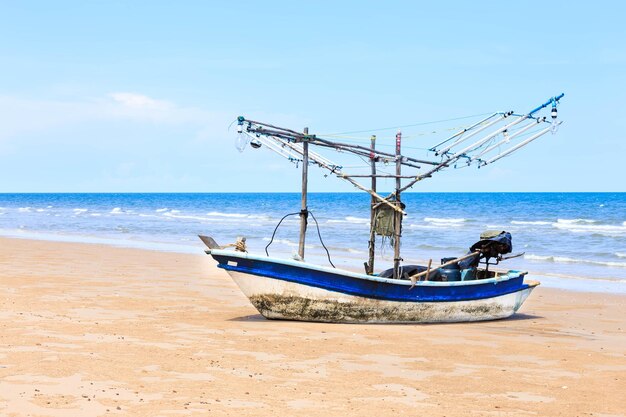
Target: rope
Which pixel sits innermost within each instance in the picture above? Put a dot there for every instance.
(276, 228)
(321, 241)
(239, 245)
(318, 235)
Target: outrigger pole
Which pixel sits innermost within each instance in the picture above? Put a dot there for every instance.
(295, 146)
(304, 213)
(369, 265)
(398, 215)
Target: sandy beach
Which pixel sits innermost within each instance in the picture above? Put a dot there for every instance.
(90, 330)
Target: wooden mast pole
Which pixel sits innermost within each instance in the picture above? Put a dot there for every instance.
(369, 267)
(398, 216)
(304, 213)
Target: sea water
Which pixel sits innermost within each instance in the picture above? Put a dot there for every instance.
(570, 238)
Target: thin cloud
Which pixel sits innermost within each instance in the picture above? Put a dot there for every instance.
(25, 115)
(139, 101)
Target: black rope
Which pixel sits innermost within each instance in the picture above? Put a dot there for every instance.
(321, 241)
(275, 229)
(318, 234)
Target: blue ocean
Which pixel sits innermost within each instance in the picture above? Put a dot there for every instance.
(575, 240)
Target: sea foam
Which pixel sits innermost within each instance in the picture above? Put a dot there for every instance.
(445, 222)
(350, 219)
(590, 226)
(565, 259)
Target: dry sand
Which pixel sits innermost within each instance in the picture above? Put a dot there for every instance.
(88, 330)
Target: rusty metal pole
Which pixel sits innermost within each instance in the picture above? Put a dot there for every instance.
(398, 216)
(304, 213)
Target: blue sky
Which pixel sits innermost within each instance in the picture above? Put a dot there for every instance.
(138, 96)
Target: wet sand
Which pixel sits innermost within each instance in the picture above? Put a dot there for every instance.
(90, 330)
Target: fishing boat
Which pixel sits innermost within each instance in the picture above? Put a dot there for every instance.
(459, 289)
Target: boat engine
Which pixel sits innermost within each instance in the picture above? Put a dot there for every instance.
(492, 244)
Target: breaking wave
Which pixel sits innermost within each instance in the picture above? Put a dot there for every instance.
(436, 222)
(564, 259)
(590, 226)
(576, 221)
(536, 223)
(173, 214)
(444, 220)
(220, 214)
(237, 215)
(350, 219)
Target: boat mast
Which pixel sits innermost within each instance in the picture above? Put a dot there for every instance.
(369, 266)
(294, 146)
(304, 213)
(398, 215)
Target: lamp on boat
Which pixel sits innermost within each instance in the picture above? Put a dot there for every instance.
(242, 139)
(553, 113)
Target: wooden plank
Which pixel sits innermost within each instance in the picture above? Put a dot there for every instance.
(209, 242)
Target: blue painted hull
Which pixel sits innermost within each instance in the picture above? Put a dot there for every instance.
(289, 289)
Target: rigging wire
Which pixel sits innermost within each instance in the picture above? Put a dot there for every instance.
(403, 126)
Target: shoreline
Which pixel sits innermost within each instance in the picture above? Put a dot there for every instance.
(96, 330)
(555, 280)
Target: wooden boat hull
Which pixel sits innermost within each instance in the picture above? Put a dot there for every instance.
(285, 289)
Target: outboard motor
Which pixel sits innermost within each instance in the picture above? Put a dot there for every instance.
(492, 244)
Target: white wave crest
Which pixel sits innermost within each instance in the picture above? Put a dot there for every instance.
(538, 222)
(184, 217)
(564, 259)
(575, 221)
(161, 210)
(603, 229)
(79, 210)
(286, 242)
(220, 214)
(116, 210)
(24, 209)
(425, 226)
(355, 251)
(350, 219)
(443, 220)
(620, 254)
